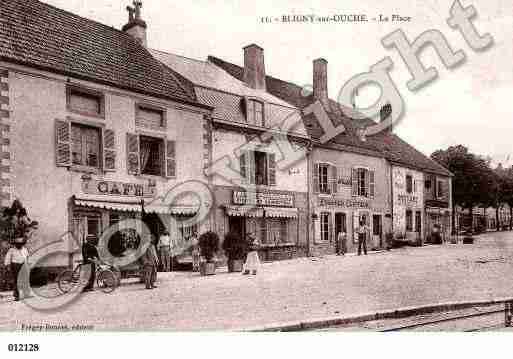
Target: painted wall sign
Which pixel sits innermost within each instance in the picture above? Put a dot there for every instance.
(100, 187)
(345, 181)
(405, 199)
(263, 199)
(347, 203)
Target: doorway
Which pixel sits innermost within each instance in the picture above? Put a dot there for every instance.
(377, 229)
(237, 226)
(340, 223)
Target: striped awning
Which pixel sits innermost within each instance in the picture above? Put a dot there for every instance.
(281, 212)
(135, 206)
(244, 211)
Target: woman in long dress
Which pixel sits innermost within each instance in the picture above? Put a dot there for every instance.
(252, 261)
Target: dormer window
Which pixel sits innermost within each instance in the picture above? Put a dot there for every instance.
(255, 112)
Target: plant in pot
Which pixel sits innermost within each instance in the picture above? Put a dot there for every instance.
(236, 249)
(209, 245)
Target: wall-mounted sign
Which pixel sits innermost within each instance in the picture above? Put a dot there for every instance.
(346, 203)
(345, 181)
(263, 199)
(405, 199)
(100, 187)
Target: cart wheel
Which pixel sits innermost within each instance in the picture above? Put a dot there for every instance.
(67, 280)
(107, 281)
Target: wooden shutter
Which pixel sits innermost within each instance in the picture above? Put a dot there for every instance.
(334, 179)
(63, 143)
(354, 180)
(371, 184)
(243, 163)
(109, 150)
(356, 223)
(170, 159)
(330, 227)
(271, 168)
(251, 157)
(133, 156)
(316, 178)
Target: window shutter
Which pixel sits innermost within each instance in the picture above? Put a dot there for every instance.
(371, 184)
(170, 159)
(243, 162)
(132, 147)
(354, 180)
(334, 179)
(251, 157)
(63, 143)
(330, 227)
(271, 165)
(356, 224)
(109, 150)
(367, 183)
(316, 178)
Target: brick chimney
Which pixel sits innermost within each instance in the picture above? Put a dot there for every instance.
(320, 81)
(136, 26)
(384, 113)
(254, 67)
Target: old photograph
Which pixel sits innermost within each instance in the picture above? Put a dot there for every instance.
(249, 167)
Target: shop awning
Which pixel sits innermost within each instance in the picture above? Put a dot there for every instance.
(127, 206)
(135, 206)
(281, 212)
(244, 211)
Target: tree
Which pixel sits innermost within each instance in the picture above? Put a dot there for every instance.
(473, 182)
(507, 193)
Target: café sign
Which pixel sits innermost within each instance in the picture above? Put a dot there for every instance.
(405, 199)
(99, 187)
(263, 199)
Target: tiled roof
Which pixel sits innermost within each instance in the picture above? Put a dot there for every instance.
(383, 144)
(39, 35)
(216, 88)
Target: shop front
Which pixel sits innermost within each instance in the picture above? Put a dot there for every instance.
(102, 204)
(438, 222)
(338, 215)
(272, 218)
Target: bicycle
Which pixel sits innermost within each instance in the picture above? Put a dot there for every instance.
(107, 278)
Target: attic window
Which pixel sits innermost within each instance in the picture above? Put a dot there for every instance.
(150, 116)
(85, 101)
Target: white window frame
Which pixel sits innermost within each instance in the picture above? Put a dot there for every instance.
(323, 230)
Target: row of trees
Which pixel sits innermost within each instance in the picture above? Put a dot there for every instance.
(476, 183)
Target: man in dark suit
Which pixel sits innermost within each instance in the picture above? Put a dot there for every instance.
(149, 261)
(90, 256)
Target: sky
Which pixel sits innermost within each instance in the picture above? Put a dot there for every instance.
(466, 105)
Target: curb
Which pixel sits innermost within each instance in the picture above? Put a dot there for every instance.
(364, 317)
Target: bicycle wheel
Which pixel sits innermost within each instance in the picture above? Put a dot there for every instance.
(67, 280)
(107, 281)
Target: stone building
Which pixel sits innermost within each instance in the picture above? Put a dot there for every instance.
(93, 128)
(258, 191)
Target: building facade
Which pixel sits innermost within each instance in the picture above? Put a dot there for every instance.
(89, 149)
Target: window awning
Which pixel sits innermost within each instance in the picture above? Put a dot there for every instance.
(281, 212)
(244, 211)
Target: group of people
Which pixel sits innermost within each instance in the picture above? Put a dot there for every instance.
(341, 242)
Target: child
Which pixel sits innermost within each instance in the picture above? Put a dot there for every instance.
(15, 259)
(195, 254)
(252, 261)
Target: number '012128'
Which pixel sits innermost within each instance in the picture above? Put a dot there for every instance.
(23, 347)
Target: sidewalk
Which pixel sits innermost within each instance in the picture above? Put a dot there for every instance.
(294, 290)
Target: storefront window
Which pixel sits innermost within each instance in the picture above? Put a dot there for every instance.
(277, 231)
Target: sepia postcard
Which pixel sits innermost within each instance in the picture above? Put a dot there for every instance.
(271, 166)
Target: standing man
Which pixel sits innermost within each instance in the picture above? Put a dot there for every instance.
(341, 243)
(89, 257)
(15, 259)
(149, 261)
(362, 237)
(165, 251)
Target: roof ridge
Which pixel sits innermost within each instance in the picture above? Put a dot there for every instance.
(182, 56)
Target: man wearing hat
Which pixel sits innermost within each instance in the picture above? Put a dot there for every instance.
(15, 258)
(89, 257)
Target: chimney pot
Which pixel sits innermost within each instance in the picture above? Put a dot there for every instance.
(135, 25)
(320, 81)
(254, 67)
(384, 113)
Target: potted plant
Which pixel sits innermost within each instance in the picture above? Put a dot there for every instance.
(236, 250)
(209, 245)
